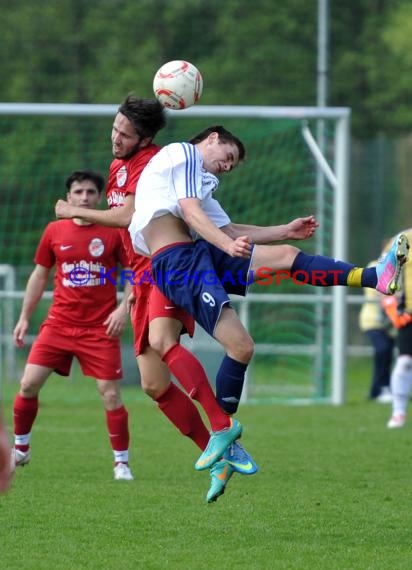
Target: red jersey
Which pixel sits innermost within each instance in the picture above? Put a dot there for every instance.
(123, 177)
(86, 259)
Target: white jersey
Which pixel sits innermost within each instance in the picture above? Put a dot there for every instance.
(174, 173)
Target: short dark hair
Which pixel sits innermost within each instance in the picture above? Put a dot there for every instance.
(225, 136)
(81, 175)
(146, 115)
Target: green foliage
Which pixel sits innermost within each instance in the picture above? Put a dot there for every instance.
(259, 53)
(371, 72)
(332, 492)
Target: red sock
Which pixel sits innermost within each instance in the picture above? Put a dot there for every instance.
(191, 375)
(24, 414)
(118, 428)
(182, 412)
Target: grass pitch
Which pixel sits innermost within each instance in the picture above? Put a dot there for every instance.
(333, 491)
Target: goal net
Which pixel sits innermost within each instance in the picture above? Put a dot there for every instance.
(297, 164)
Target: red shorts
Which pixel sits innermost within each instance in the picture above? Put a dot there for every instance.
(98, 355)
(151, 304)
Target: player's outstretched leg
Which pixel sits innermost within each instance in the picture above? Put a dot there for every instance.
(220, 474)
(389, 266)
(218, 442)
(239, 459)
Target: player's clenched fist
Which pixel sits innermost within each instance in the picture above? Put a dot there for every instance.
(240, 247)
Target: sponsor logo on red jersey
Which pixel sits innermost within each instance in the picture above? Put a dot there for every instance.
(121, 176)
(96, 247)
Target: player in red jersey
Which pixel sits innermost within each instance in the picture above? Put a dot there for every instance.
(83, 321)
(135, 125)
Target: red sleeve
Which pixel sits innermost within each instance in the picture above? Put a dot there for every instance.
(44, 253)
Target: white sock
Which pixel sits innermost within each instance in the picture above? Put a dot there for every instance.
(22, 439)
(121, 456)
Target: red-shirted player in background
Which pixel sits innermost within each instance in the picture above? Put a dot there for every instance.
(83, 321)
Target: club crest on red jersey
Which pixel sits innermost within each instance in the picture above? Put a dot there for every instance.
(96, 247)
(121, 176)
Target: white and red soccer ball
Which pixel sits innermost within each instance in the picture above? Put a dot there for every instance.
(178, 84)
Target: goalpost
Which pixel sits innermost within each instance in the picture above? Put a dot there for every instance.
(297, 164)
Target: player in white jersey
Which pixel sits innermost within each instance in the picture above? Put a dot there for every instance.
(174, 203)
(162, 198)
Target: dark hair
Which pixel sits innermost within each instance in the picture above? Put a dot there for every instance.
(146, 115)
(82, 175)
(225, 136)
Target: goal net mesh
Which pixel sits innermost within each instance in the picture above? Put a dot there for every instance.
(278, 181)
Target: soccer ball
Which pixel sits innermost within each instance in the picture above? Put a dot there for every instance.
(178, 84)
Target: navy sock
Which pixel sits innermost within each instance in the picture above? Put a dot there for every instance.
(369, 277)
(320, 271)
(229, 384)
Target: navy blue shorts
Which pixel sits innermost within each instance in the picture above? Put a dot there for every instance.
(199, 277)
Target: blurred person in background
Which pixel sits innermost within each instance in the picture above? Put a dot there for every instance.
(374, 322)
(399, 310)
(5, 467)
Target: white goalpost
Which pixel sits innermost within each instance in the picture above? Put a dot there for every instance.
(289, 169)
